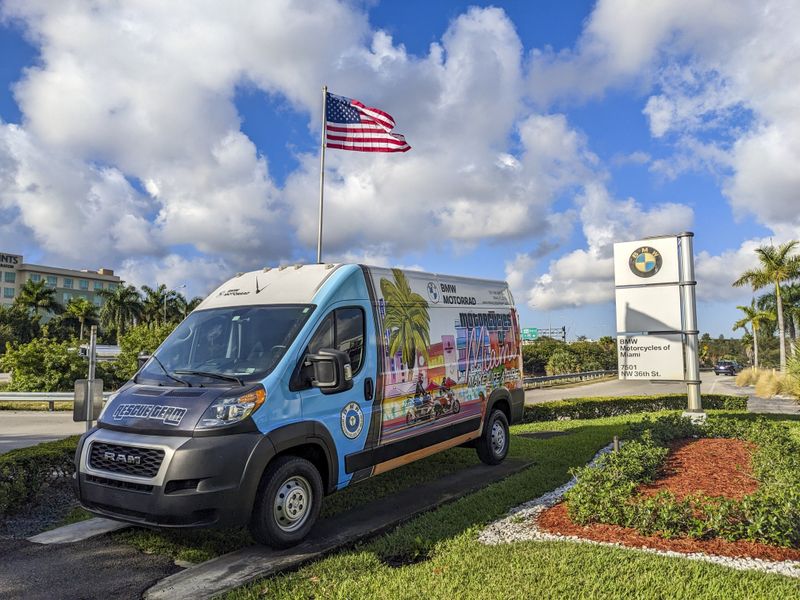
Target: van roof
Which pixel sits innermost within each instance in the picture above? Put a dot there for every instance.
(292, 284)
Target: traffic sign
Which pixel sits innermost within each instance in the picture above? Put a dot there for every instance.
(529, 334)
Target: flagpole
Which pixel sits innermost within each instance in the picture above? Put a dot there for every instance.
(321, 172)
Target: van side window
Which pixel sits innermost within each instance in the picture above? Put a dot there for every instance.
(342, 329)
(350, 334)
(323, 337)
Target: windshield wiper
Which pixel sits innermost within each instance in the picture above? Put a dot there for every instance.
(212, 375)
(167, 373)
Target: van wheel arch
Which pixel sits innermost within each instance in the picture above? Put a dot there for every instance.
(312, 441)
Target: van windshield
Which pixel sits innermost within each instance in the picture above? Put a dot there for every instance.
(240, 343)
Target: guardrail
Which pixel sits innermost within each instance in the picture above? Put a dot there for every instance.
(50, 397)
(533, 382)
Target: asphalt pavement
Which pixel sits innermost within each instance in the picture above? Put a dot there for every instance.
(21, 428)
(711, 384)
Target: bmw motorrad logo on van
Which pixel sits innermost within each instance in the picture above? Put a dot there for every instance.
(433, 292)
(645, 261)
(352, 420)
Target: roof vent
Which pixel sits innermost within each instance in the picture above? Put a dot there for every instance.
(267, 269)
(282, 267)
(297, 267)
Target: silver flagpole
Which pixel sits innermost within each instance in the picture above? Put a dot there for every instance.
(321, 172)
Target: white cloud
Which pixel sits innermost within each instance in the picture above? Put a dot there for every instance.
(586, 276)
(707, 65)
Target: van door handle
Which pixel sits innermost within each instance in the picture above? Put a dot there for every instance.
(369, 388)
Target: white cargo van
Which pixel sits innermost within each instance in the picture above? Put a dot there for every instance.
(289, 383)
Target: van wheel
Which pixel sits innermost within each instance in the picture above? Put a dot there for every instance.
(492, 446)
(288, 502)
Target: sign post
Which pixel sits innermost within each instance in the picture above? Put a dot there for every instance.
(88, 399)
(657, 313)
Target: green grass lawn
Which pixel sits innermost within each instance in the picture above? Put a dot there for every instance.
(441, 558)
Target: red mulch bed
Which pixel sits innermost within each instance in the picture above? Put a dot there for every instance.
(714, 467)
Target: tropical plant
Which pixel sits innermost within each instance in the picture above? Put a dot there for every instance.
(82, 310)
(38, 297)
(17, 325)
(122, 307)
(754, 317)
(407, 319)
(162, 305)
(777, 265)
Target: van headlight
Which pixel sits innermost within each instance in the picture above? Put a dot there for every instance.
(228, 410)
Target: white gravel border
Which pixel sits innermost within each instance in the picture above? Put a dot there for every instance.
(521, 525)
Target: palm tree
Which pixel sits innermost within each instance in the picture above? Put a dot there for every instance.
(754, 317)
(407, 318)
(83, 310)
(36, 295)
(122, 306)
(778, 265)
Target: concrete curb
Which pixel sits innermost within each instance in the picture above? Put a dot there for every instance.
(243, 566)
(77, 532)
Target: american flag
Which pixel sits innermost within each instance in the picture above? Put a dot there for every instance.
(352, 126)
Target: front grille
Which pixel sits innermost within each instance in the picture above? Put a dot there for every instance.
(126, 460)
(123, 485)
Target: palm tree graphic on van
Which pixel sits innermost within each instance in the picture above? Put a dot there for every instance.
(406, 318)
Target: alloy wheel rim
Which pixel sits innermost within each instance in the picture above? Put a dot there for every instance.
(292, 503)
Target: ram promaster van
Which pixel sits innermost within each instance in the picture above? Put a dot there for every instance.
(289, 383)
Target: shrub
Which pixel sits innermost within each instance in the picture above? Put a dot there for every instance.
(23, 472)
(747, 377)
(595, 408)
(768, 384)
(46, 365)
(140, 339)
(606, 491)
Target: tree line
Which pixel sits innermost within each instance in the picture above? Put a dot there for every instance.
(123, 308)
(776, 312)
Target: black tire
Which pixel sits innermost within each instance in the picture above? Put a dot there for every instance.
(456, 405)
(301, 485)
(493, 451)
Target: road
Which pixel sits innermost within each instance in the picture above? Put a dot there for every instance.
(20, 428)
(711, 384)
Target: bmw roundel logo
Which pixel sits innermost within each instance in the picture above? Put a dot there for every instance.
(645, 261)
(433, 292)
(352, 420)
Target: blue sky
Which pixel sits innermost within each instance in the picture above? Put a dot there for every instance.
(182, 140)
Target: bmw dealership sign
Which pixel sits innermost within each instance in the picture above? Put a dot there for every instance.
(656, 313)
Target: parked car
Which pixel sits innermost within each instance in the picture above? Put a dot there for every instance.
(727, 367)
(293, 382)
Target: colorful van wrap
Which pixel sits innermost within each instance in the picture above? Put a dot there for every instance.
(428, 360)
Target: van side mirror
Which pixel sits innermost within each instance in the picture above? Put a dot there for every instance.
(142, 359)
(332, 371)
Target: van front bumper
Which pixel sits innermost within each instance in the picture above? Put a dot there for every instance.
(198, 481)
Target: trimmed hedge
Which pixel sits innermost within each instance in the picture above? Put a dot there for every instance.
(601, 406)
(606, 492)
(23, 472)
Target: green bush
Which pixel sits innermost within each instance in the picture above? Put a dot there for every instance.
(606, 491)
(140, 339)
(23, 472)
(46, 365)
(594, 408)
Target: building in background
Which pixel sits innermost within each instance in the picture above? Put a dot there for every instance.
(68, 283)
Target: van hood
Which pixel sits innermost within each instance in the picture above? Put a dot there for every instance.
(148, 409)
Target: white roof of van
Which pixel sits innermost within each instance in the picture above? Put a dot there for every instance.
(293, 284)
